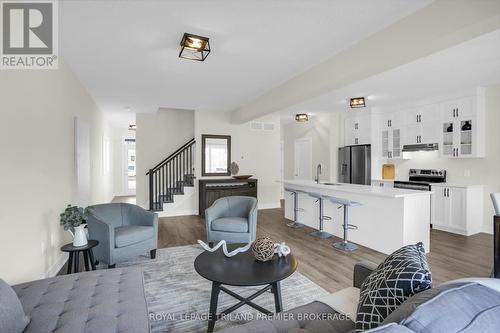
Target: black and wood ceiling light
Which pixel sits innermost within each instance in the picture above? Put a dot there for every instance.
(194, 47)
(301, 117)
(358, 102)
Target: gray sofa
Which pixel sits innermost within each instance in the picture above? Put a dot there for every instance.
(123, 231)
(461, 306)
(104, 301)
(233, 219)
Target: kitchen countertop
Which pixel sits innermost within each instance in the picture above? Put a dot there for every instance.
(359, 189)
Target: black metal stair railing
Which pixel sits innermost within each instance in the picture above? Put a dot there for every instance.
(170, 176)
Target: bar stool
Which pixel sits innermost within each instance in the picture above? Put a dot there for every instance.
(295, 224)
(345, 245)
(320, 233)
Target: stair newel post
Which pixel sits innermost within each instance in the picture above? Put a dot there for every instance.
(179, 174)
(157, 185)
(189, 158)
(169, 179)
(150, 189)
(163, 182)
(184, 165)
(191, 169)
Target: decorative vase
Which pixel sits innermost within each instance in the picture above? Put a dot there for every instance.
(79, 236)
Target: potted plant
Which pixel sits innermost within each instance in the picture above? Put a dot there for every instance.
(72, 220)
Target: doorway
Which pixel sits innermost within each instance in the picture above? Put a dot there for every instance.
(129, 168)
(303, 159)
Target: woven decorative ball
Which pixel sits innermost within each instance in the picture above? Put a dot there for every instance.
(263, 248)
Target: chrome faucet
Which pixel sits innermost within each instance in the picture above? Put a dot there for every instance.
(318, 172)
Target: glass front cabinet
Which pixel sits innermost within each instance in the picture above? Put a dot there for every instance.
(462, 127)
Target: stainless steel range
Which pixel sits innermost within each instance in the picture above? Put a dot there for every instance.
(421, 179)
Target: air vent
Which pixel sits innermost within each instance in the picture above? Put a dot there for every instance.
(259, 126)
(268, 127)
(256, 126)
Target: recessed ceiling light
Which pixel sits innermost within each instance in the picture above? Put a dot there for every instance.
(357, 102)
(194, 47)
(301, 117)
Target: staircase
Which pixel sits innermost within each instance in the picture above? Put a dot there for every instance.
(169, 177)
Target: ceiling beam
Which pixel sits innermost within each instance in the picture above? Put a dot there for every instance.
(436, 27)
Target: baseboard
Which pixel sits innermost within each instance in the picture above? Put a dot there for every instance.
(123, 195)
(271, 205)
(63, 257)
(177, 213)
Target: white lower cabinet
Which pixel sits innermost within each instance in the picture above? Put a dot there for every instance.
(457, 209)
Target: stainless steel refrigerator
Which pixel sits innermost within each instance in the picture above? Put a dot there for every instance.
(355, 164)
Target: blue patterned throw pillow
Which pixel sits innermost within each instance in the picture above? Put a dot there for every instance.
(403, 274)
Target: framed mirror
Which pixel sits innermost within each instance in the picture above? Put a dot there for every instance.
(215, 155)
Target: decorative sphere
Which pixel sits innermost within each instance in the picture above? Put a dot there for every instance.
(263, 248)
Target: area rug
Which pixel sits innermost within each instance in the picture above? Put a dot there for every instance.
(178, 298)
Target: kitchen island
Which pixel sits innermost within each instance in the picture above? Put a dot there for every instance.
(387, 219)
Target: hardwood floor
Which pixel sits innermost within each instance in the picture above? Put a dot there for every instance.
(451, 257)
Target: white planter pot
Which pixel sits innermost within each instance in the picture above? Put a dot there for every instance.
(79, 238)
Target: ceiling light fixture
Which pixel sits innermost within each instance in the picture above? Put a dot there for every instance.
(358, 102)
(194, 47)
(301, 117)
(132, 127)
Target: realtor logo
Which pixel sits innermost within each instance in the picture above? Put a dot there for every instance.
(29, 35)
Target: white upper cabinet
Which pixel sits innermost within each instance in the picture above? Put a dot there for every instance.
(457, 125)
(421, 125)
(462, 128)
(357, 130)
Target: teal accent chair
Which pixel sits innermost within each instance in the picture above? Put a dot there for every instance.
(123, 230)
(233, 219)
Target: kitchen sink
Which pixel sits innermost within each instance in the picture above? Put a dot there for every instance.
(331, 184)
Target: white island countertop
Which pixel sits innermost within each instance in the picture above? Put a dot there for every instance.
(358, 189)
(387, 218)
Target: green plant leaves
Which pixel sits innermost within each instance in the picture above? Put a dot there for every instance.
(72, 217)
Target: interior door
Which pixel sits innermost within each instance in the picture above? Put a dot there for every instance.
(303, 159)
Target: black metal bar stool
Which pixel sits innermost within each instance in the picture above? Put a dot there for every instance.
(295, 193)
(345, 245)
(320, 233)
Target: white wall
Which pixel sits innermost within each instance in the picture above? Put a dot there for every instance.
(37, 173)
(119, 136)
(318, 130)
(336, 138)
(485, 171)
(257, 152)
(158, 135)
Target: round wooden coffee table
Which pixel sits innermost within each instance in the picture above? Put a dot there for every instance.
(242, 270)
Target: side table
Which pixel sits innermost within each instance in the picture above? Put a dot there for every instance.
(74, 256)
